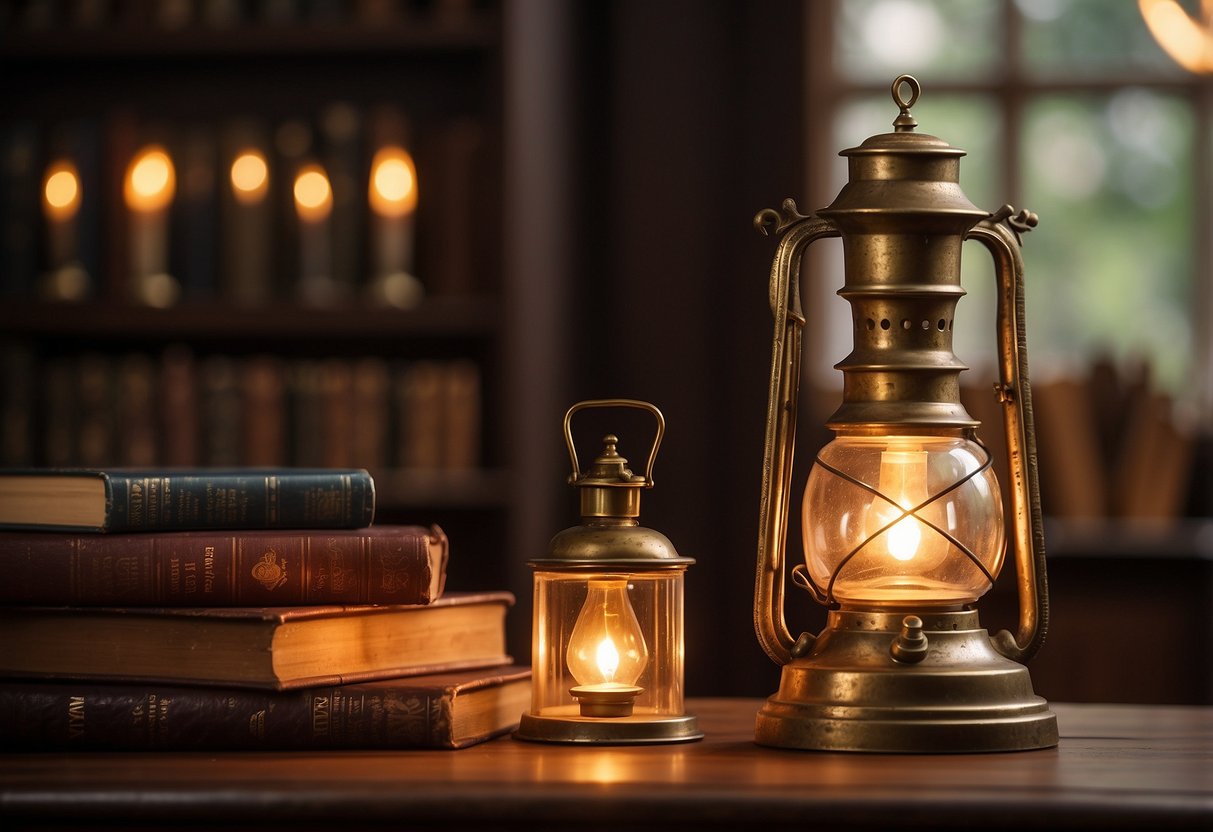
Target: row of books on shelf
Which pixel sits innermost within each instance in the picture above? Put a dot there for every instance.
(238, 609)
(182, 409)
(349, 204)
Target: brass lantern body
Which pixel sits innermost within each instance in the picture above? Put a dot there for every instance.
(902, 666)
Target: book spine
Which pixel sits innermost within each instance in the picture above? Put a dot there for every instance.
(221, 569)
(42, 716)
(244, 500)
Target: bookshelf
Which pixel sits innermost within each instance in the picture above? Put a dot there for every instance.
(104, 79)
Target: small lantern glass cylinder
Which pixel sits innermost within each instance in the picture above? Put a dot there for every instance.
(607, 633)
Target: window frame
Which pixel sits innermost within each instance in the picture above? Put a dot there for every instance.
(826, 91)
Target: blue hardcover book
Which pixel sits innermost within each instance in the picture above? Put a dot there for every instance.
(134, 500)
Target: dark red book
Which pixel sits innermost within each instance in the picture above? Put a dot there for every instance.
(375, 565)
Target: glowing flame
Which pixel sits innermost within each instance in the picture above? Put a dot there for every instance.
(61, 191)
(608, 659)
(393, 186)
(150, 180)
(313, 195)
(250, 177)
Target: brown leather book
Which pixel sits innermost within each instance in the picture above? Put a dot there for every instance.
(376, 565)
(446, 710)
(274, 648)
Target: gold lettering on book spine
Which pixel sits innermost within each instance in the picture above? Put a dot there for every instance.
(75, 717)
(321, 711)
(208, 569)
(256, 724)
(153, 503)
(134, 505)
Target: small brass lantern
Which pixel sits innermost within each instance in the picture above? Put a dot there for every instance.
(902, 518)
(607, 637)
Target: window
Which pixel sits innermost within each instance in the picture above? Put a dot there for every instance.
(1070, 109)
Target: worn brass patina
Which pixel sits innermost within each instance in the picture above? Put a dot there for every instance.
(895, 677)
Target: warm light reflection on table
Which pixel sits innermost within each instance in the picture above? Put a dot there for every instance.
(1116, 765)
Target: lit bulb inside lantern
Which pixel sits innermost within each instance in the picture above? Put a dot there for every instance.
(903, 480)
(607, 652)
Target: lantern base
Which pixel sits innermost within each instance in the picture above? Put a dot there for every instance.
(628, 730)
(958, 695)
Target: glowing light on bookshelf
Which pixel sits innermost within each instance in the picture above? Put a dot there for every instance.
(313, 194)
(61, 191)
(149, 187)
(392, 192)
(250, 177)
(151, 180)
(393, 188)
(65, 277)
(1188, 41)
(314, 205)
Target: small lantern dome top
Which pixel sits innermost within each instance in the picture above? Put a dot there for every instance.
(610, 535)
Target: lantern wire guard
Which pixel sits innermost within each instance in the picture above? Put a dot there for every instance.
(607, 641)
(903, 519)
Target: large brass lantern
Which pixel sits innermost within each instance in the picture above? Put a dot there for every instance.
(903, 522)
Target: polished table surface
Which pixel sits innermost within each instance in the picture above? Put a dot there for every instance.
(1117, 767)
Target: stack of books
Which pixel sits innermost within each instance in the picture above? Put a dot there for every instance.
(246, 608)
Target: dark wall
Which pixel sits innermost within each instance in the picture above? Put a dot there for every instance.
(687, 120)
(691, 115)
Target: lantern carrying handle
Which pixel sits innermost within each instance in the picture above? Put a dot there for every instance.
(605, 403)
(796, 232)
(1001, 233)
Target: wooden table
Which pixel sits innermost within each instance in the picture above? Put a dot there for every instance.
(1118, 767)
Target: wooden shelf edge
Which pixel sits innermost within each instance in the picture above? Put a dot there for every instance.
(454, 317)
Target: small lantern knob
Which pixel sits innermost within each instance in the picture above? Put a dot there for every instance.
(609, 489)
(910, 646)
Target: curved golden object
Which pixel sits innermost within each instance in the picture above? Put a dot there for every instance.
(779, 444)
(1000, 234)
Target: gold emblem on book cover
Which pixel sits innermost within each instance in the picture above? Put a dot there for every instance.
(269, 572)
